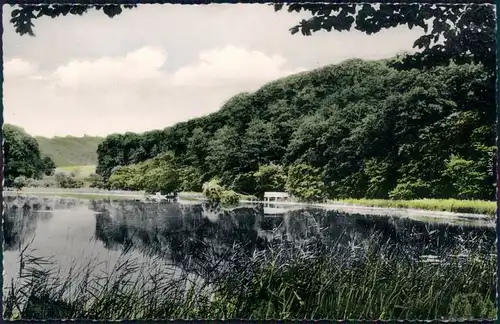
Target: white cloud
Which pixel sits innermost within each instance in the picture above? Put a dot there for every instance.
(137, 66)
(232, 64)
(135, 92)
(18, 68)
(214, 67)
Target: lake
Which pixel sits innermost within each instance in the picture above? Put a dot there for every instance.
(198, 239)
(70, 229)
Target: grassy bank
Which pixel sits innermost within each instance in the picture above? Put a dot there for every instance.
(449, 205)
(75, 195)
(307, 280)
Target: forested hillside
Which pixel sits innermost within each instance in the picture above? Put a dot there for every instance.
(357, 129)
(69, 150)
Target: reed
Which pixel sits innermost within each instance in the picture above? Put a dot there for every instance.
(306, 279)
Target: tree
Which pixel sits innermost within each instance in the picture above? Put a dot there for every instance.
(164, 179)
(22, 18)
(305, 182)
(21, 154)
(49, 166)
(125, 178)
(467, 32)
(270, 178)
(223, 154)
(190, 179)
(467, 181)
(259, 145)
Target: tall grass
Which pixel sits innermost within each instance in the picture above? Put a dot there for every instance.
(367, 279)
(449, 205)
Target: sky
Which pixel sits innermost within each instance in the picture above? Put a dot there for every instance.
(157, 65)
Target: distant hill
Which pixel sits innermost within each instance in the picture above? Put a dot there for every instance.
(69, 150)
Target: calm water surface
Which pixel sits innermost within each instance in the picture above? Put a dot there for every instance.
(75, 231)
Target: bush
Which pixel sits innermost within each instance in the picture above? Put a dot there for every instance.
(46, 182)
(229, 198)
(408, 190)
(213, 191)
(124, 178)
(95, 181)
(215, 194)
(68, 182)
(20, 182)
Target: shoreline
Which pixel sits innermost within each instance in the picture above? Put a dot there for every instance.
(347, 207)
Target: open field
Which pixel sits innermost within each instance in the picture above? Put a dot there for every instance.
(80, 171)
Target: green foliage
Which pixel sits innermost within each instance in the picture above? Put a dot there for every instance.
(374, 131)
(46, 182)
(159, 174)
(270, 178)
(163, 179)
(244, 183)
(49, 166)
(70, 150)
(21, 155)
(229, 198)
(22, 18)
(377, 173)
(215, 194)
(223, 156)
(68, 181)
(125, 178)
(213, 191)
(410, 190)
(404, 117)
(471, 37)
(95, 181)
(191, 179)
(305, 182)
(125, 149)
(466, 180)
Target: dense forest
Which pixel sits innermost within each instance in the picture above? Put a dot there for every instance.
(357, 129)
(70, 150)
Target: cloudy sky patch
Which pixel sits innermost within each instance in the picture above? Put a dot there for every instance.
(156, 65)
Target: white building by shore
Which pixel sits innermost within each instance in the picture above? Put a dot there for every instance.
(276, 196)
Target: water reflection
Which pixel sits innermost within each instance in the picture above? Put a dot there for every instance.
(199, 238)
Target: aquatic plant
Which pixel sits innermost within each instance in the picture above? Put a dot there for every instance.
(305, 279)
